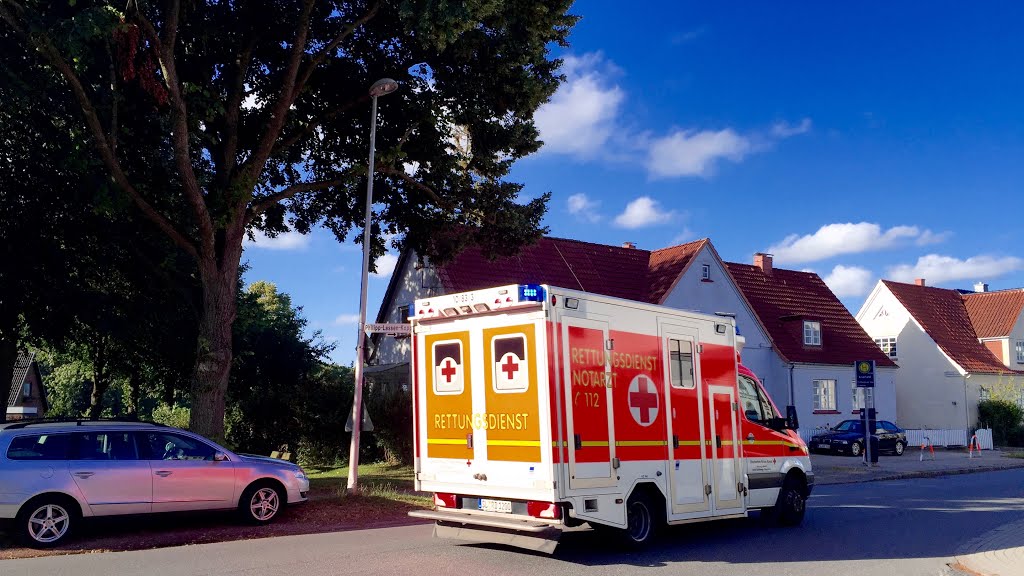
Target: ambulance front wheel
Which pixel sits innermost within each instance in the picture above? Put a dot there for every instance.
(792, 503)
(643, 519)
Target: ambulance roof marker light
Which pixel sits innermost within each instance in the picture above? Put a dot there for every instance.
(531, 293)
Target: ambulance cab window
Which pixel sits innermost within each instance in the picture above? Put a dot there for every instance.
(680, 359)
(448, 368)
(509, 368)
(752, 407)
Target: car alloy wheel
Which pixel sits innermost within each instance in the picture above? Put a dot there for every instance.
(48, 524)
(899, 448)
(264, 504)
(856, 448)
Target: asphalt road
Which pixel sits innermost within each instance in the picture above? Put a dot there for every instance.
(900, 527)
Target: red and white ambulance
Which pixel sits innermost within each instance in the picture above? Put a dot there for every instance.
(538, 408)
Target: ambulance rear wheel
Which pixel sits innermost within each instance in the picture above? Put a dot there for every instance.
(641, 520)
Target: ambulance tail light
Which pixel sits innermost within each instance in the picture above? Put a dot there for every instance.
(543, 509)
(445, 500)
(531, 293)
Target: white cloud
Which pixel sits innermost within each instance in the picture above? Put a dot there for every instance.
(847, 281)
(937, 269)
(290, 240)
(346, 319)
(683, 237)
(580, 117)
(785, 129)
(643, 212)
(691, 153)
(584, 208)
(847, 238)
(386, 265)
(928, 237)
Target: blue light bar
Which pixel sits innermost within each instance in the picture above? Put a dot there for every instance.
(412, 310)
(531, 293)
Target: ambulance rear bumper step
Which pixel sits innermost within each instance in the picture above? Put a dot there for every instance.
(531, 535)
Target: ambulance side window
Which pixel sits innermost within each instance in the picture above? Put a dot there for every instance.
(509, 371)
(752, 407)
(449, 375)
(680, 360)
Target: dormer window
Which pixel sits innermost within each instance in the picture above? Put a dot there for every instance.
(812, 333)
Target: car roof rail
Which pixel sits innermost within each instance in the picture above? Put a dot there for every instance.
(77, 421)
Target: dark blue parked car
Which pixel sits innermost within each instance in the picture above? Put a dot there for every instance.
(848, 438)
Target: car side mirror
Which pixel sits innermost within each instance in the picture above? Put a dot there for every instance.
(220, 457)
(792, 421)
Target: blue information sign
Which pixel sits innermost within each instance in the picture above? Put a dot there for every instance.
(865, 372)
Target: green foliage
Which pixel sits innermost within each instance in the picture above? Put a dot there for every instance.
(324, 409)
(176, 416)
(1002, 416)
(390, 408)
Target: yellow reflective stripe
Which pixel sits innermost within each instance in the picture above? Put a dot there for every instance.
(513, 442)
(447, 441)
(593, 443)
(772, 443)
(640, 443)
(689, 442)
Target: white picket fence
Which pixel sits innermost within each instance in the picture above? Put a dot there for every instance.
(916, 437)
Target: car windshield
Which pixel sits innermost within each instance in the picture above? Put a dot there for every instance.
(849, 426)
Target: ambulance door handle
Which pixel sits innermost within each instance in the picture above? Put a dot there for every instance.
(718, 441)
(469, 440)
(675, 441)
(577, 441)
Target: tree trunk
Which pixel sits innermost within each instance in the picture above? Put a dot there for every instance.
(213, 361)
(134, 391)
(100, 378)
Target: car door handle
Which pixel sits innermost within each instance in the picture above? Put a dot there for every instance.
(84, 475)
(163, 473)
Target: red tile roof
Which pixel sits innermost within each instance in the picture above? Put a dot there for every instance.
(994, 314)
(666, 266)
(943, 314)
(598, 268)
(783, 299)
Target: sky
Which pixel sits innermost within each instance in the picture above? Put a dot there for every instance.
(868, 141)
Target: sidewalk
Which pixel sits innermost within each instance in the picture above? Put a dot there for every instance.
(996, 553)
(847, 469)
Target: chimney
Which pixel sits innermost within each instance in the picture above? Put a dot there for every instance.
(630, 245)
(919, 281)
(980, 287)
(764, 262)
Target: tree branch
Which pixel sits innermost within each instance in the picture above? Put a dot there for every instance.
(401, 175)
(232, 113)
(53, 56)
(256, 162)
(164, 49)
(306, 132)
(325, 52)
(260, 205)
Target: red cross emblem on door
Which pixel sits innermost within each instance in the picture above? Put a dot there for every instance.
(643, 400)
(448, 372)
(510, 365)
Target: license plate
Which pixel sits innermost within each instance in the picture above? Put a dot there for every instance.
(504, 506)
(825, 446)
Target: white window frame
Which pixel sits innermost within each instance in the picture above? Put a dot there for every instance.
(812, 333)
(888, 345)
(824, 390)
(1020, 351)
(705, 272)
(26, 389)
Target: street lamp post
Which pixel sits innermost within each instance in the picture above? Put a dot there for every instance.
(381, 87)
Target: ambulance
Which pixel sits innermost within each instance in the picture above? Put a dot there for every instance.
(539, 408)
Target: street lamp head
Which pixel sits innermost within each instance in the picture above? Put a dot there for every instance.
(383, 87)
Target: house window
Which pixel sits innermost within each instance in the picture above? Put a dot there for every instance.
(680, 360)
(812, 333)
(705, 272)
(984, 394)
(825, 395)
(1020, 351)
(888, 345)
(26, 389)
(403, 314)
(857, 395)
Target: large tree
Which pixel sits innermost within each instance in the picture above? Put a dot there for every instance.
(263, 107)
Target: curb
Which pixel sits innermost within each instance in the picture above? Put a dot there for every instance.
(998, 552)
(921, 474)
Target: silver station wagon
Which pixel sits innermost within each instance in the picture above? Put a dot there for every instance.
(53, 474)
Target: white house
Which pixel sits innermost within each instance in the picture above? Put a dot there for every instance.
(953, 347)
(768, 304)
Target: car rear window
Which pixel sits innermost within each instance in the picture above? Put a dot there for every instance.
(39, 447)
